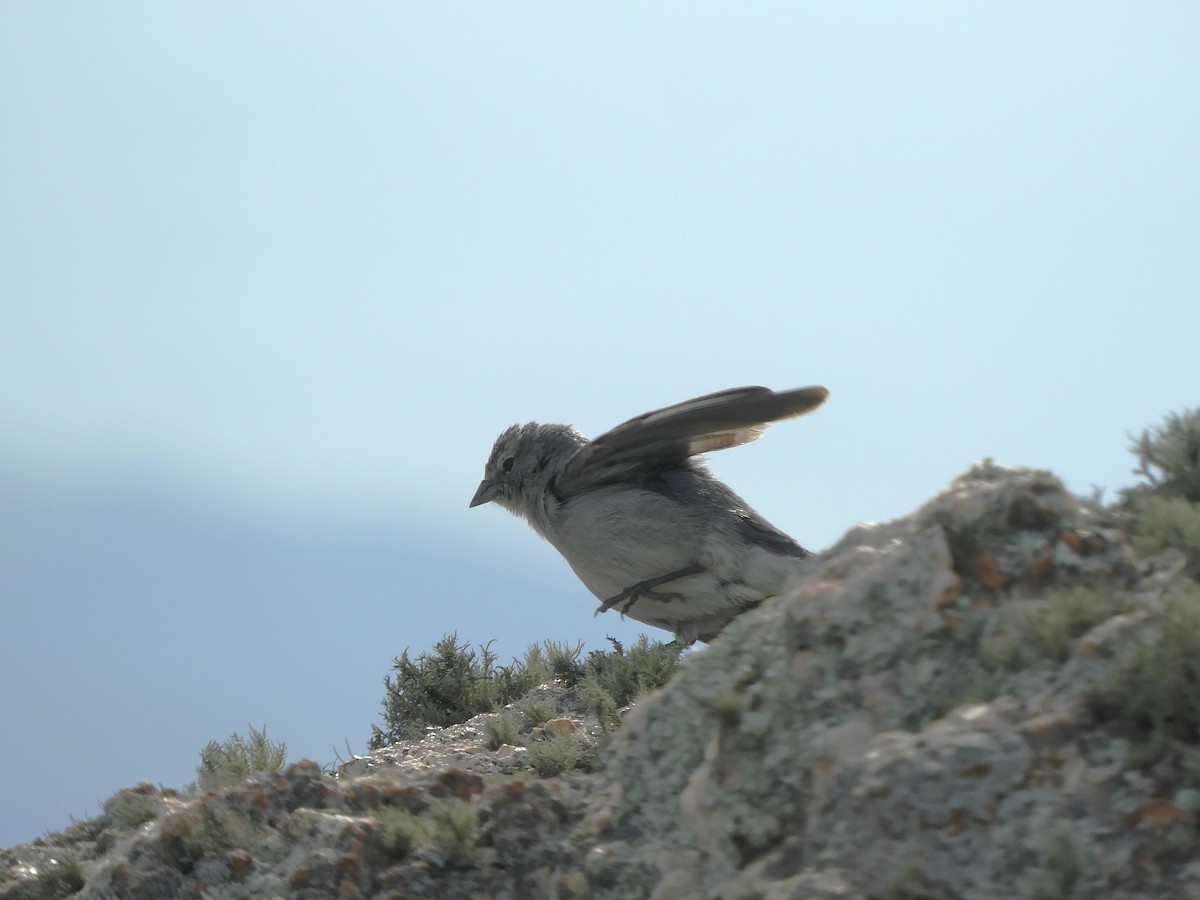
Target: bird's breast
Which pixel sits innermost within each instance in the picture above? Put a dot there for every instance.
(615, 536)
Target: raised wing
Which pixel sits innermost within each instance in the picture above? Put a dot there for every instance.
(638, 449)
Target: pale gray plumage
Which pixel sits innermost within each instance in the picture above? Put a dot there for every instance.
(646, 527)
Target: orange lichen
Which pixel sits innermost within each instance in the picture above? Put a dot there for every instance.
(561, 726)
(987, 570)
(1072, 539)
(238, 861)
(1041, 564)
(1159, 813)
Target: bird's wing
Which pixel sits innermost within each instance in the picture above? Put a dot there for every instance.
(640, 448)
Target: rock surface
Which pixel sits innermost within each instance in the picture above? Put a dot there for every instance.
(891, 727)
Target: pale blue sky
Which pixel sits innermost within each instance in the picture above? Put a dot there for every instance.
(289, 268)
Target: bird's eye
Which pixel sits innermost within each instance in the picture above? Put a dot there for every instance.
(507, 464)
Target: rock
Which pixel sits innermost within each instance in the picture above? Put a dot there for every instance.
(927, 712)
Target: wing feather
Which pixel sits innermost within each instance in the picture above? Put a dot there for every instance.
(639, 449)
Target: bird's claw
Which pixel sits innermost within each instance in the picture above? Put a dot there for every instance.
(631, 595)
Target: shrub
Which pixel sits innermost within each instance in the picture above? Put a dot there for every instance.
(1169, 457)
(447, 686)
(1163, 511)
(232, 761)
(613, 679)
(218, 831)
(558, 753)
(57, 877)
(446, 830)
(1155, 686)
(133, 807)
(452, 831)
(453, 682)
(499, 731)
(1064, 616)
(402, 831)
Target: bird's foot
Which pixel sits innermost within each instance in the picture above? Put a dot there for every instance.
(631, 595)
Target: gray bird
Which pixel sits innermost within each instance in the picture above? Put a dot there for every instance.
(643, 523)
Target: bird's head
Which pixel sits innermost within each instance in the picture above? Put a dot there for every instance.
(523, 461)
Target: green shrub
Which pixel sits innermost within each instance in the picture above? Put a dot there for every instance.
(558, 753)
(57, 877)
(596, 700)
(1061, 867)
(1163, 511)
(500, 730)
(219, 830)
(446, 829)
(1067, 615)
(402, 831)
(1155, 686)
(1155, 524)
(453, 682)
(451, 830)
(447, 686)
(613, 679)
(534, 711)
(553, 661)
(1169, 457)
(1016, 642)
(232, 761)
(133, 807)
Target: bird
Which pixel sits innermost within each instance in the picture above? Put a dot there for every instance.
(644, 524)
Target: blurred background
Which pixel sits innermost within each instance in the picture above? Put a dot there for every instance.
(274, 276)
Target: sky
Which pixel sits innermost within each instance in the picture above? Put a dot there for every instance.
(274, 276)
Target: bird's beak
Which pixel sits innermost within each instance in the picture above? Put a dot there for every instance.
(484, 494)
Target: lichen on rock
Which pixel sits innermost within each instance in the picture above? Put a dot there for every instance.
(992, 697)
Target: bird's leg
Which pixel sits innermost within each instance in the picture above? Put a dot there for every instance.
(631, 594)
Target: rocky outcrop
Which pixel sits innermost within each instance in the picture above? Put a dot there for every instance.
(961, 703)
